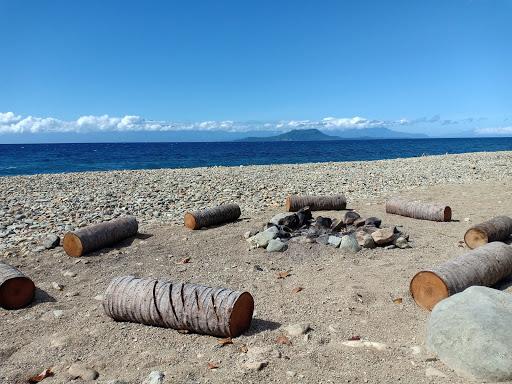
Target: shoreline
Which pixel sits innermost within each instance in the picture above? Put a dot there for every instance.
(35, 206)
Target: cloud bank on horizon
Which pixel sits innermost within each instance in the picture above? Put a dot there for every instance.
(11, 123)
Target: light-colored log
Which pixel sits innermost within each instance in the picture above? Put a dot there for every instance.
(208, 217)
(498, 228)
(97, 236)
(16, 290)
(484, 266)
(316, 203)
(214, 311)
(418, 209)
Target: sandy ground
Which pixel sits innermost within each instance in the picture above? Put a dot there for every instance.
(344, 295)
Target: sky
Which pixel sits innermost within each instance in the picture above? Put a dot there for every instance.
(439, 67)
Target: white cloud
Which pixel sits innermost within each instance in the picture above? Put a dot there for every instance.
(494, 131)
(12, 123)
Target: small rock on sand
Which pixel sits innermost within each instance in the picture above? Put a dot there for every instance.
(262, 239)
(155, 377)
(433, 372)
(349, 244)
(297, 329)
(276, 245)
(383, 236)
(79, 370)
(51, 242)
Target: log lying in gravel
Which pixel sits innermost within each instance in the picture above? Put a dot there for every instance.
(497, 229)
(316, 203)
(208, 217)
(97, 236)
(419, 210)
(485, 266)
(213, 311)
(16, 290)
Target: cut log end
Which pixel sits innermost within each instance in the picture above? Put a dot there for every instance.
(190, 221)
(72, 245)
(17, 293)
(475, 237)
(288, 204)
(427, 289)
(447, 214)
(241, 315)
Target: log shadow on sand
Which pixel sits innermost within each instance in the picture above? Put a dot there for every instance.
(260, 325)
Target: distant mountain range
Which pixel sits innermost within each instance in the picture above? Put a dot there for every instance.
(317, 135)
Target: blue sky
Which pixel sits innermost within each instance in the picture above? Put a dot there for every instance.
(435, 67)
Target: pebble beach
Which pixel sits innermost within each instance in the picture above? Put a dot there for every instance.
(34, 207)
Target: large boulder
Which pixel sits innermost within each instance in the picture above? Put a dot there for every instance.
(471, 333)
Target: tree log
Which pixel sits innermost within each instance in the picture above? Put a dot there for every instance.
(419, 210)
(485, 266)
(97, 236)
(498, 228)
(316, 203)
(213, 311)
(16, 290)
(212, 216)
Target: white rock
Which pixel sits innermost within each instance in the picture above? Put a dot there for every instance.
(79, 370)
(297, 329)
(433, 372)
(368, 344)
(155, 377)
(57, 286)
(69, 274)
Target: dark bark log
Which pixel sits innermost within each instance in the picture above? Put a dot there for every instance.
(485, 266)
(208, 217)
(16, 290)
(197, 308)
(97, 236)
(419, 210)
(316, 203)
(497, 229)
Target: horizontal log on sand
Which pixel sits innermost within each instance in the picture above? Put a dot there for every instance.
(16, 290)
(208, 217)
(419, 210)
(316, 203)
(498, 228)
(197, 308)
(485, 266)
(97, 236)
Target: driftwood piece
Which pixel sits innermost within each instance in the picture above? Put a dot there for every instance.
(419, 210)
(316, 203)
(498, 228)
(16, 290)
(485, 266)
(197, 308)
(208, 217)
(97, 236)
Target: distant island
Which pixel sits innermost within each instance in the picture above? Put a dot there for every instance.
(350, 134)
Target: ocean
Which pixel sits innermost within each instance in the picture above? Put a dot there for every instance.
(29, 159)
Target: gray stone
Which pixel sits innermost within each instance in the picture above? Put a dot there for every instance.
(470, 332)
(334, 241)
(262, 239)
(384, 236)
(38, 249)
(323, 239)
(51, 242)
(349, 243)
(297, 329)
(250, 233)
(402, 243)
(390, 246)
(276, 245)
(350, 217)
(79, 370)
(281, 217)
(373, 222)
(365, 240)
(155, 377)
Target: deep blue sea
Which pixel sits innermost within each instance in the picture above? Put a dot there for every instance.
(27, 159)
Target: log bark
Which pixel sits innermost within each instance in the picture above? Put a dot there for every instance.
(16, 290)
(197, 308)
(484, 266)
(419, 210)
(316, 203)
(497, 229)
(97, 236)
(208, 217)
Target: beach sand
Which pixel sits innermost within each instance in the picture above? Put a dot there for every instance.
(344, 295)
